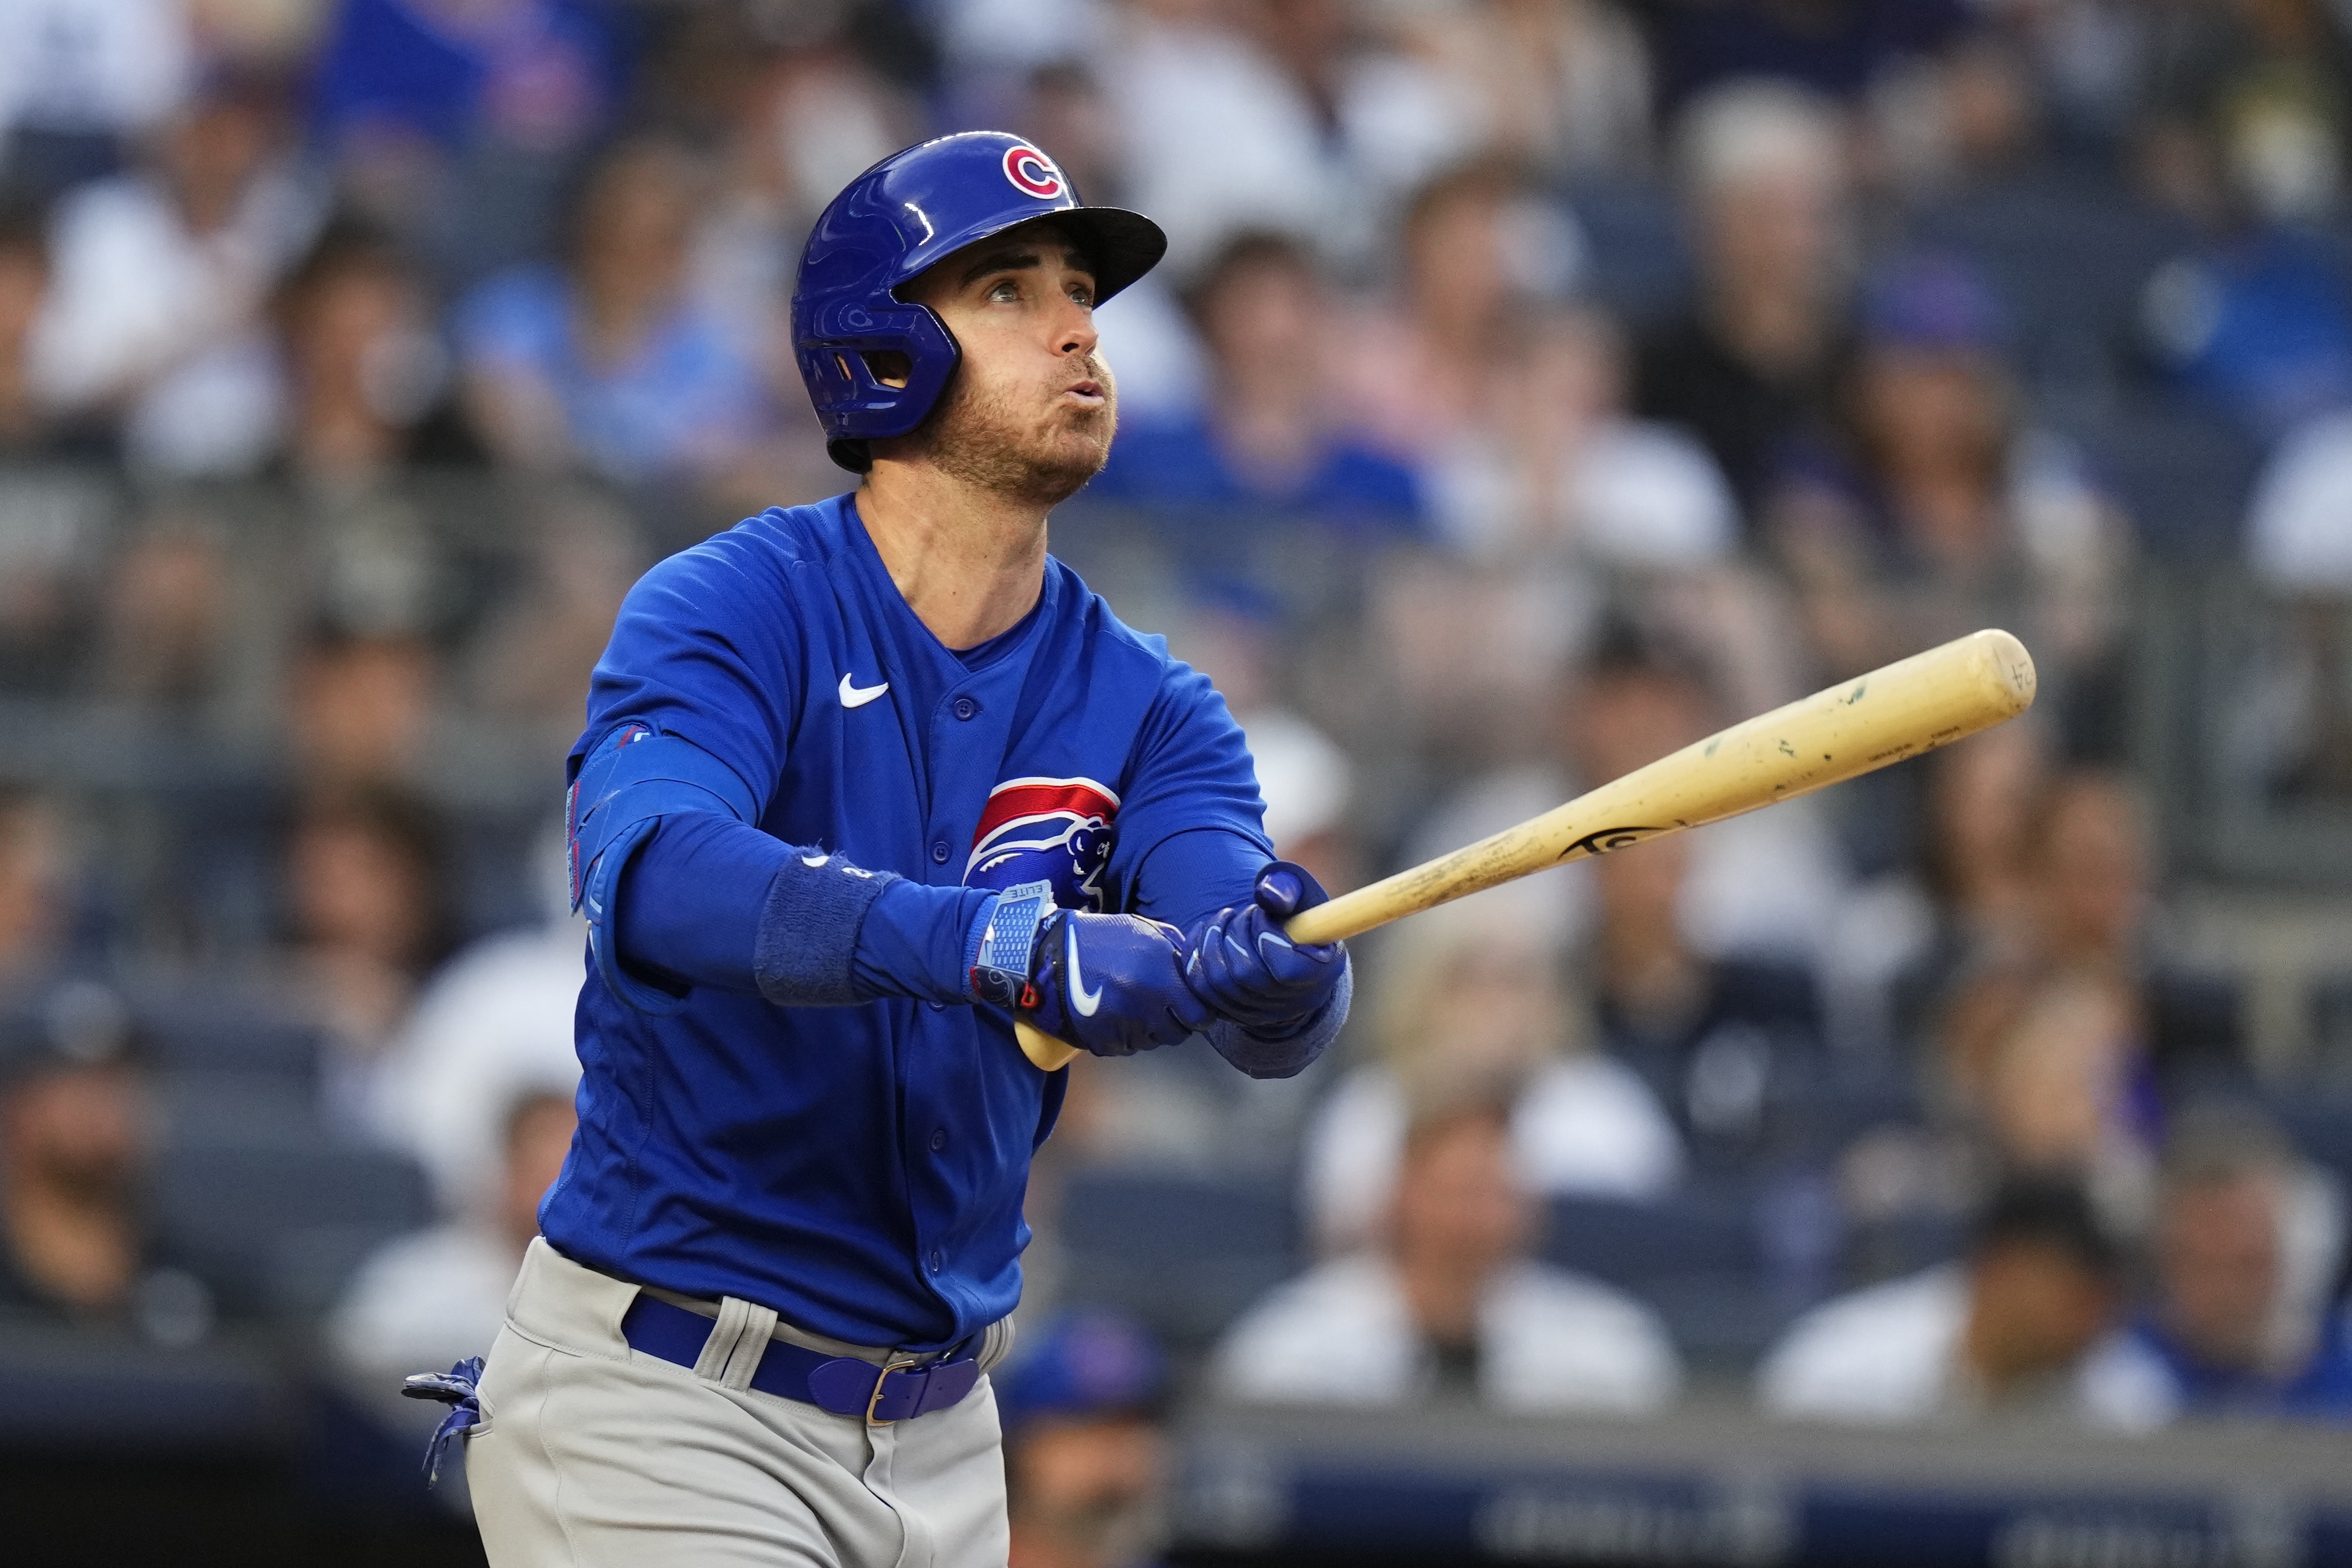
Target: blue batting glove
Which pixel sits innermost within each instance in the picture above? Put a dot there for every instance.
(1243, 968)
(1108, 984)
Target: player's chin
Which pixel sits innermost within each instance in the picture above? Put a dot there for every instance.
(1065, 458)
(1058, 475)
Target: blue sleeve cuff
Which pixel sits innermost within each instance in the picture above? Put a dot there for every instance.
(804, 956)
(1293, 1054)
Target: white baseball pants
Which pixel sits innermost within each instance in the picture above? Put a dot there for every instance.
(591, 1455)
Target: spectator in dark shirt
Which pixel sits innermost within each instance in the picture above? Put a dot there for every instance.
(76, 1135)
(24, 423)
(1766, 182)
(367, 889)
(1269, 440)
(32, 862)
(2095, 854)
(357, 707)
(1964, 898)
(368, 376)
(1727, 1045)
(1931, 507)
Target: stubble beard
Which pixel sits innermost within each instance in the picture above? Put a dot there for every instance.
(981, 437)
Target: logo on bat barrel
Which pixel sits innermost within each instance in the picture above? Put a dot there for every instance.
(1601, 841)
(1046, 830)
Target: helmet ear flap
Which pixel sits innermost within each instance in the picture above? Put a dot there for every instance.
(845, 370)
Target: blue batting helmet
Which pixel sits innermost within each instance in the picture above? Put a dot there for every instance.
(894, 221)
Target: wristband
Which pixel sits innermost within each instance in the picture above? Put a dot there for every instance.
(1008, 935)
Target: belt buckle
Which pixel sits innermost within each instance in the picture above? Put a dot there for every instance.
(896, 1364)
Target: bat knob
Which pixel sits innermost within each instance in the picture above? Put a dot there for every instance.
(1046, 1054)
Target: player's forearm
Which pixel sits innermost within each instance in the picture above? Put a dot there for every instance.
(916, 942)
(713, 902)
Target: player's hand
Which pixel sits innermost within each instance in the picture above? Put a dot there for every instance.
(1111, 984)
(1243, 967)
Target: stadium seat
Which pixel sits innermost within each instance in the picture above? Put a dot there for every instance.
(234, 1106)
(210, 1031)
(2073, 320)
(1699, 1260)
(2321, 1127)
(262, 1220)
(2182, 473)
(1182, 1254)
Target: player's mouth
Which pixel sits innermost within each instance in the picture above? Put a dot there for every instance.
(1087, 394)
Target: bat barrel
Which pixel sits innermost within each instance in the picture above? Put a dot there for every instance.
(1856, 727)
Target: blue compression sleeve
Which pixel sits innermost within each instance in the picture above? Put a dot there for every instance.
(711, 901)
(690, 901)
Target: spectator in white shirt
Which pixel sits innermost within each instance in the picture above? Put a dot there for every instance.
(1581, 1121)
(158, 280)
(2026, 1323)
(1451, 1301)
(429, 1299)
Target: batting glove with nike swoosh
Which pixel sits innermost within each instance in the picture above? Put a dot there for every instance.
(1110, 983)
(1244, 969)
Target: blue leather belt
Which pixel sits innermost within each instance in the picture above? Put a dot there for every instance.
(841, 1383)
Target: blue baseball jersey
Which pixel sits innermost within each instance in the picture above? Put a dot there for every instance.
(861, 1168)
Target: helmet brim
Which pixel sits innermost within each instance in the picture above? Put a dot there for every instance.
(1121, 244)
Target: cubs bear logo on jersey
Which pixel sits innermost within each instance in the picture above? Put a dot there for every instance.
(1050, 830)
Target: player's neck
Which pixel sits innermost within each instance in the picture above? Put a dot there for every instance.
(969, 564)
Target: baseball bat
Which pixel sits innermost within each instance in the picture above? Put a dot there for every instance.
(1856, 727)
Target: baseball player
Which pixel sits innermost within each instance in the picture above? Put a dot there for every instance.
(862, 783)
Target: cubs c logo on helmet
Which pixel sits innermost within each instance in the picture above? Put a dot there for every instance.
(1046, 830)
(1032, 173)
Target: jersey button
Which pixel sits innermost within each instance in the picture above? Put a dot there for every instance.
(939, 852)
(936, 1260)
(939, 1140)
(965, 707)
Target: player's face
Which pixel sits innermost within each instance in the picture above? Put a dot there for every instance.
(1032, 408)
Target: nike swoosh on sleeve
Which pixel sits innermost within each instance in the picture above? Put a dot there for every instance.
(854, 696)
(1082, 999)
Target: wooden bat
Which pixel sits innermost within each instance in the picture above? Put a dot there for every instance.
(1854, 727)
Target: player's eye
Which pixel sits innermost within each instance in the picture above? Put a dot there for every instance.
(1005, 290)
(1084, 292)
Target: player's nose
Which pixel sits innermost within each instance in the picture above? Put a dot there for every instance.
(1075, 334)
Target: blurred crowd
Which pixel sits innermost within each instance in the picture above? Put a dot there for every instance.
(1533, 386)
